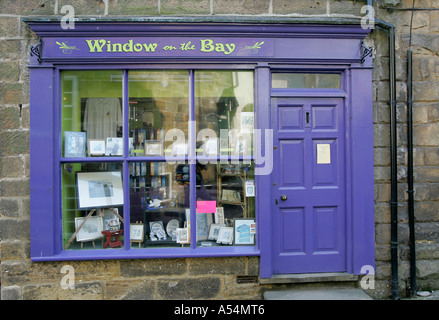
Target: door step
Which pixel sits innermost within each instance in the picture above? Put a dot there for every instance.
(317, 294)
(309, 278)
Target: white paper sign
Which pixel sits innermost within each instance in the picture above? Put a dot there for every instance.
(323, 153)
(250, 188)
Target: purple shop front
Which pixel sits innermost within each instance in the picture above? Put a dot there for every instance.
(300, 196)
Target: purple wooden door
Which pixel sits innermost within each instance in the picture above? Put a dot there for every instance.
(309, 228)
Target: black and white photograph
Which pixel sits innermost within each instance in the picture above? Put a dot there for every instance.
(99, 189)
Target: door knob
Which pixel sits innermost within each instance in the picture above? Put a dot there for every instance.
(283, 197)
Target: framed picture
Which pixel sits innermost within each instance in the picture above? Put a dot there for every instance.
(136, 232)
(157, 232)
(96, 147)
(244, 231)
(219, 215)
(114, 147)
(153, 148)
(214, 230)
(74, 144)
(91, 230)
(204, 220)
(225, 235)
(99, 189)
(183, 235)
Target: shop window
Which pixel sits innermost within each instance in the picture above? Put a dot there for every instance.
(167, 161)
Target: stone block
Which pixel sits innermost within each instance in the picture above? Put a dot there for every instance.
(15, 187)
(9, 207)
(14, 229)
(84, 291)
(152, 267)
(241, 7)
(346, 7)
(241, 291)
(12, 48)
(226, 265)
(41, 292)
(14, 143)
(9, 70)
(13, 93)
(93, 269)
(425, 91)
(11, 167)
(382, 233)
(130, 290)
(189, 288)
(381, 135)
(183, 7)
(422, 191)
(382, 192)
(9, 118)
(426, 174)
(427, 268)
(10, 293)
(12, 250)
(133, 7)
(9, 26)
(431, 156)
(308, 7)
(425, 134)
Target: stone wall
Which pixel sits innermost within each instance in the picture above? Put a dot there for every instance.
(216, 278)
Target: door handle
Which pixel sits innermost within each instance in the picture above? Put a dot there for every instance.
(283, 197)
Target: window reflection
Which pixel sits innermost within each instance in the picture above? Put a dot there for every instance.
(158, 102)
(224, 111)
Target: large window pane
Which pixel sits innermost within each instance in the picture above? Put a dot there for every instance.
(224, 111)
(92, 205)
(91, 113)
(159, 204)
(225, 204)
(158, 102)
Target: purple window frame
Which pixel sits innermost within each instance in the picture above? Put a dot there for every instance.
(330, 47)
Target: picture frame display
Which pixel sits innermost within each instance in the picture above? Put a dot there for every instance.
(225, 235)
(244, 231)
(96, 147)
(204, 220)
(74, 144)
(99, 189)
(91, 230)
(183, 235)
(114, 146)
(136, 232)
(153, 148)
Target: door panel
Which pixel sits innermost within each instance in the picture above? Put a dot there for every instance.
(308, 180)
